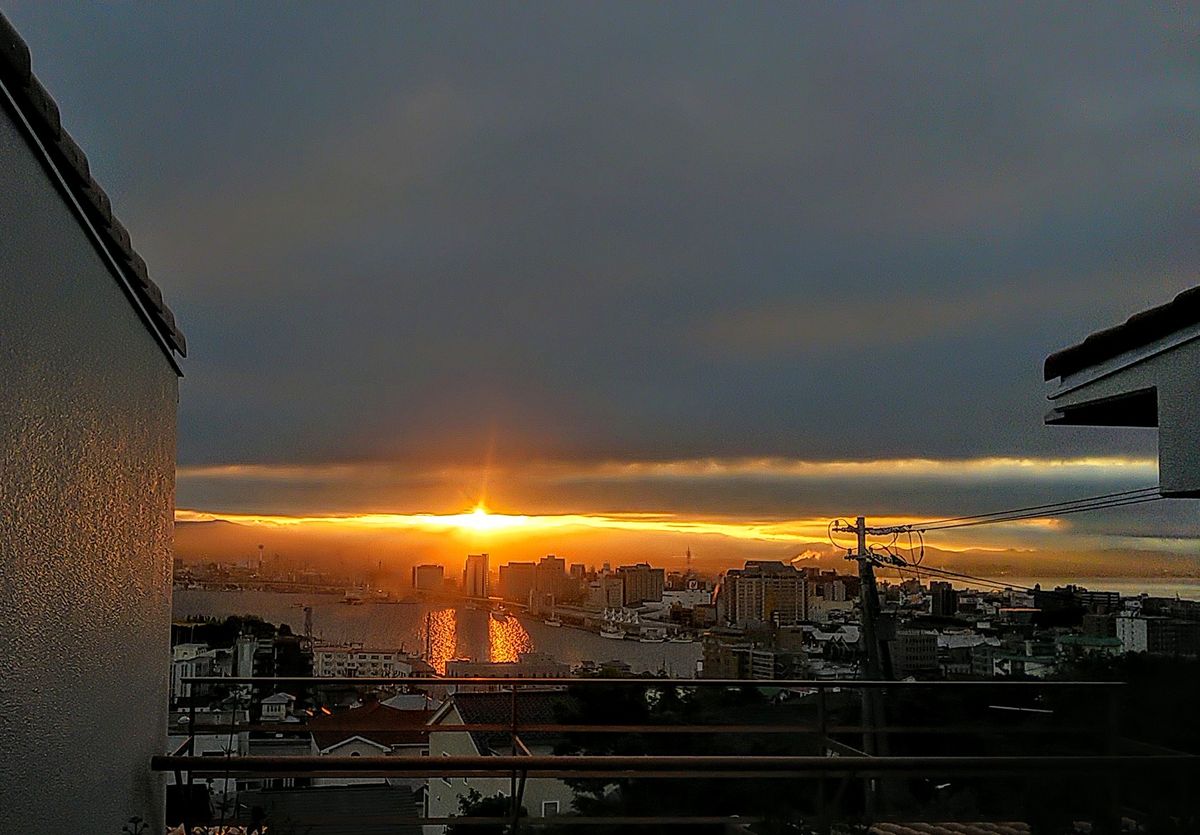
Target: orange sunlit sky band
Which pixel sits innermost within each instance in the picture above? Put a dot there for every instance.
(472, 518)
(479, 525)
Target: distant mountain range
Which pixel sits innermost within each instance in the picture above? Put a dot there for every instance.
(224, 540)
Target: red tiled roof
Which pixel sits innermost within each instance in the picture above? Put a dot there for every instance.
(40, 111)
(376, 722)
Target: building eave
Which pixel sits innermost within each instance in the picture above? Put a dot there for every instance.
(1138, 331)
(37, 116)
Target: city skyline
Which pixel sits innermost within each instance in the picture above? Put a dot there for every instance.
(614, 415)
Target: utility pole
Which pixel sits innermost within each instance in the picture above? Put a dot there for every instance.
(878, 661)
(874, 632)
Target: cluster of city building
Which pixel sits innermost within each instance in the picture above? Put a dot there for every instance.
(766, 620)
(773, 621)
(777, 621)
(263, 572)
(551, 581)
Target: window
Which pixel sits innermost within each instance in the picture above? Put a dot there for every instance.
(549, 808)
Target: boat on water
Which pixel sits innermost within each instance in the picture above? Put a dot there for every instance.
(353, 599)
(552, 622)
(681, 639)
(616, 634)
(500, 613)
(652, 639)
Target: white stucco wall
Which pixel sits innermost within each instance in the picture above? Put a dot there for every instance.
(87, 457)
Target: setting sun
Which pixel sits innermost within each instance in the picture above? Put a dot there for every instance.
(480, 521)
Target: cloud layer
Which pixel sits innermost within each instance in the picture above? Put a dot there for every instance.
(411, 239)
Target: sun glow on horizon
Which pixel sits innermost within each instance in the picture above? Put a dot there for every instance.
(480, 522)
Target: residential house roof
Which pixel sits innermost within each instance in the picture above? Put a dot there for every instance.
(534, 707)
(38, 110)
(409, 701)
(1138, 331)
(374, 722)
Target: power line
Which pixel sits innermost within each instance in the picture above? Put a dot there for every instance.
(1063, 508)
(1046, 507)
(1124, 498)
(998, 585)
(983, 580)
(1065, 511)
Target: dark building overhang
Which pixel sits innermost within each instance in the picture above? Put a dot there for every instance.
(1137, 408)
(33, 109)
(1144, 372)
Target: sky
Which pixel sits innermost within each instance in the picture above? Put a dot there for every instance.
(716, 264)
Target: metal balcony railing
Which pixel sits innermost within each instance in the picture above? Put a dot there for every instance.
(862, 761)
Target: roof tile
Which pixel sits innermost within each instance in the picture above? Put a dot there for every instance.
(14, 54)
(1137, 331)
(76, 163)
(97, 204)
(119, 235)
(40, 110)
(43, 110)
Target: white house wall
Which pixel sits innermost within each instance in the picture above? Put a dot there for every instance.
(443, 794)
(87, 439)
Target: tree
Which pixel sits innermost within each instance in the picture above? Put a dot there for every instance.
(476, 805)
(781, 805)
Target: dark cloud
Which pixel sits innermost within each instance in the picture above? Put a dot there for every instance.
(654, 231)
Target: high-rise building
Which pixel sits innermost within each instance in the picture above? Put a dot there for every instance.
(764, 591)
(475, 576)
(516, 581)
(550, 576)
(1158, 635)
(642, 584)
(943, 599)
(605, 592)
(428, 577)
(914, 651)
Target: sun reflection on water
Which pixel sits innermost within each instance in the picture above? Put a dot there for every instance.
(507, 639)
(441, 637)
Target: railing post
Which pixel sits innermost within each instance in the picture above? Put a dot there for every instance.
(1112, 811)
(191, 726)
(869, 702)
(187, 792)
(512, 736)
(823, 738)
(518, 796)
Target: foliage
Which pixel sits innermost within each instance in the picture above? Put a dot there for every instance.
(476, 805)
(781, 807)
(1158, 699)
(223, 632)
